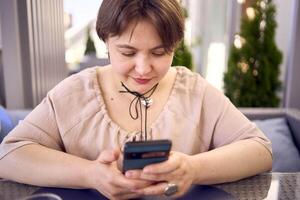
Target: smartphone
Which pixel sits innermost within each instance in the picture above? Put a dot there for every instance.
(139, 154)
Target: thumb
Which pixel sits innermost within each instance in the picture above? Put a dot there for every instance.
(108, 156)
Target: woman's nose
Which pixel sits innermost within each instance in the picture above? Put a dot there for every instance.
(143, 65)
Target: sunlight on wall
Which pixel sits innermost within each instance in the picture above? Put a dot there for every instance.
(216, 64)
(78, 18)
(188, 32)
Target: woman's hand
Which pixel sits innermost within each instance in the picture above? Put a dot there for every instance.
(109, 180)
(178, 169)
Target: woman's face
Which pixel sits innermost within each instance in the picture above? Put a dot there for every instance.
(138, 58)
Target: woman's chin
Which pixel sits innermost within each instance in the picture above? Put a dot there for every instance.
(140, 88)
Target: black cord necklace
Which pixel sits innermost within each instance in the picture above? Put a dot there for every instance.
(138, 100)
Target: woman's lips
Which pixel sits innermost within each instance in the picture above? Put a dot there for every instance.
(141, 80)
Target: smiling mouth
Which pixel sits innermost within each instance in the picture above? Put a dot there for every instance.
(141, 80)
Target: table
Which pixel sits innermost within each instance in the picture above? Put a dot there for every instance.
(270, 186)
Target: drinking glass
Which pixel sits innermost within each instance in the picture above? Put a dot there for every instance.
(43, 196)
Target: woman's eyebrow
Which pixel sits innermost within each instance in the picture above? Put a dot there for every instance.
(158, 47)
(126, 46)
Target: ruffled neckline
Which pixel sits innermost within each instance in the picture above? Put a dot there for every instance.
(155, 123)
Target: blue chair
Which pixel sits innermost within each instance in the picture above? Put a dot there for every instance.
(9, 119)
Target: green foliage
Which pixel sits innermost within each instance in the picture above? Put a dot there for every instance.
(90, 46)
(182, 54)
(252, 77)
(183, 57)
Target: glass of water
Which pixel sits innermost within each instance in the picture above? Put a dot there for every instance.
(43, 196)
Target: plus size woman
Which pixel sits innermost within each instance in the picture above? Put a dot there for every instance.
(74, 137)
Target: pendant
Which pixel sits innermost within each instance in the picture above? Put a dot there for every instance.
(147, 102)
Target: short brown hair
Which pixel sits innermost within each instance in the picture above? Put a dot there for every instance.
(114, 16)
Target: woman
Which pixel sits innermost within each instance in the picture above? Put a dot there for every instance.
(73, 138)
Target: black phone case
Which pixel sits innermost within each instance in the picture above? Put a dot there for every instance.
(139, 154)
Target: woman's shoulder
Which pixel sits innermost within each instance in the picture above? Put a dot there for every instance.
(82, 85)
(81, 81)
(188, 80)
(77, 95)
(193, 86)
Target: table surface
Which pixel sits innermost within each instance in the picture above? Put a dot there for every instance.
(270, 186)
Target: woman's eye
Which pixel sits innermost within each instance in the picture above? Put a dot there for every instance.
(128, 54)
(158, 53)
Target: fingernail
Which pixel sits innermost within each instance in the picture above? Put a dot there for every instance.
(128, 174)
(146, 170)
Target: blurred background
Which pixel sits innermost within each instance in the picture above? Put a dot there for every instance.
(245, 48)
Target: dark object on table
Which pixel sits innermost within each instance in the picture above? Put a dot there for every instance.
(196, 192)
(73, 194)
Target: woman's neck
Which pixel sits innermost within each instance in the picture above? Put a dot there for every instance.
(115, 85)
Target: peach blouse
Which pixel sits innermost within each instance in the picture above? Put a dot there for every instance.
(73, 118)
